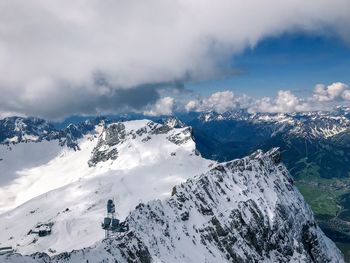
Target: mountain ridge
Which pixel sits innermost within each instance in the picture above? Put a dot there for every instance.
(262, 133)
(218, 216)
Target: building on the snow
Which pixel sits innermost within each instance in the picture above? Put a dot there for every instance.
(111, 223)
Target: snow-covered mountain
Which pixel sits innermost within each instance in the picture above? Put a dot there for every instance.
(14, 130)
(314, 124)
(19, 129)
(246, 210)
(132, 162)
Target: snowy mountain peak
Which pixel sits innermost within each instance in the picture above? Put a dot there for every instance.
(116, 135)
(246, 210)
(136, 161)
(174, 122)
(15, 130)
(22, 129)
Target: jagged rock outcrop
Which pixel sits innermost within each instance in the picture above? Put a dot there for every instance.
(106, 148)
(15, 130)
(21, 129)
(246, 210)
(115, 134)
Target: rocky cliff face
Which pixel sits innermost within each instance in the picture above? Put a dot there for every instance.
(14, 130)
(246, 210)
(18, 129)
(115, 134)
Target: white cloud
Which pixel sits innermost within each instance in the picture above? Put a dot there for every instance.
(53, 54)
(285, 101)
(192, 105)
(333, 92)
(220, 101)
(323, 98)
(163, 106)
(223, 101)
(346, 95)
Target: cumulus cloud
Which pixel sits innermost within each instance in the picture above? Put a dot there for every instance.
(192, 105)
(220, 101)
(323, 98)
(163, 106)
(52, 51)
(285, 101)
(334, 92)
(346, 95)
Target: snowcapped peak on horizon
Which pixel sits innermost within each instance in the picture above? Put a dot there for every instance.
(311, 124)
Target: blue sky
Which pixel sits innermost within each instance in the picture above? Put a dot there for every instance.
(295, 62)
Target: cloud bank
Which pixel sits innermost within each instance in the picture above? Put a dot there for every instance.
(285, 101)
(220, 102)
(335, 92)
(53, 54)
(163, 106)
(323, 98)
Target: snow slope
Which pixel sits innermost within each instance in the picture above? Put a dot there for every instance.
(22, 156)
(246, 210)
(131, 162)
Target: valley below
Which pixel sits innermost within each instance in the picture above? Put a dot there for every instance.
(330, 201)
